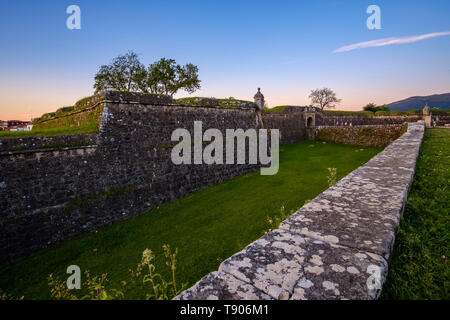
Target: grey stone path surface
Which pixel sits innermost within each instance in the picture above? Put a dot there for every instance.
(335, 247)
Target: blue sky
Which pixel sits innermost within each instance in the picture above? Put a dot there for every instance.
(284, 47)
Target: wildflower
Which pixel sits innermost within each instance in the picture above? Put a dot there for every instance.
(147, 256)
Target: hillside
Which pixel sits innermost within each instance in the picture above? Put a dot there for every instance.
(435, 101)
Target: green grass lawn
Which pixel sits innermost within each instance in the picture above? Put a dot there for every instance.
(419, 268)
(207, 226)
(92, 128)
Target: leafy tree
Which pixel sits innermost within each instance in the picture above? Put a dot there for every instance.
(324, 98)
(384, 108)
(373, 108)
(120, 74)
(127, 73)
(167, 77)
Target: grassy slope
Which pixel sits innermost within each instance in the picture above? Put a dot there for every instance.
(277, 108)
(91, 128)
(225, 102)
(418, 269)
(206, 226)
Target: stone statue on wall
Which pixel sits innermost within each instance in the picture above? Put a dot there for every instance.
(426, 110)
(427, 115)
(259, 99)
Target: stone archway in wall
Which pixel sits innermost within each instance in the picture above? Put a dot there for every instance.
(310, 123)
(310, 120)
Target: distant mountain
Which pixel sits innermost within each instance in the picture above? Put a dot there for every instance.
(438, 101)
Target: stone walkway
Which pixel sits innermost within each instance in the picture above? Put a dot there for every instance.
(335, 247)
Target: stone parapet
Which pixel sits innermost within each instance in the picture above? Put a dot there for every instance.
(335, 247)
(45, 142)
(364, 135)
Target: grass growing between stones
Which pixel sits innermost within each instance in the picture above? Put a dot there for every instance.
(207, 226)
(419, 268)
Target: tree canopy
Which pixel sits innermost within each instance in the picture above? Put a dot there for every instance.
(324, 98)
(165, 76)
(372, 107)
(120, 74)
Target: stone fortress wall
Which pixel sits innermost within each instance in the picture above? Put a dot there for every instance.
(362, 135)
(330, 119)
(55, 188)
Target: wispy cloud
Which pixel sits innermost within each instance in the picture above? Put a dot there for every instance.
(389, 41)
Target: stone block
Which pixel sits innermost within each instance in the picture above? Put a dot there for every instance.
(285, 265)
(273, 263)
(222, 286)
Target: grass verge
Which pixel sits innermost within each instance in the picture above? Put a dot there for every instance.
(90, 128)
(419, 268)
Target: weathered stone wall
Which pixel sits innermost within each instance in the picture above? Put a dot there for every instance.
(54, 188)
(129, 97)
(140, 138)
(336, 247)
(45, 142)
(330, 119)
(440, 120)
(291, 124)
(367, 136)
(213, 102)
(52, 193)
(89, 111)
